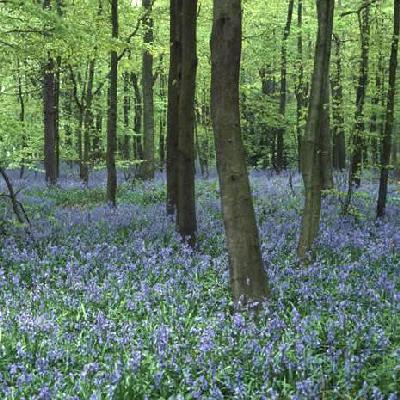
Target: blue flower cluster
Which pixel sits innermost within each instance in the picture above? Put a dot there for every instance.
(109, 304)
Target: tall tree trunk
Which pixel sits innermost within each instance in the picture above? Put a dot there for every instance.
(138, 143)
(326, 144)
(49, 111)
(57, 87)
(311, 145)
(358, 135)
(173, 103)
(112, 113)
(147, 170)
(387, 134)
(186, 210)
(162, 121)
(339, 142)
(21, 101)
(88, 124)
(50, 157)
(280, 134)
(376, 110)
(247, 276)
(97, 151)
(127, 109)
(300, 89)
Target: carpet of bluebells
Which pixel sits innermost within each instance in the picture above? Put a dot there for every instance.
(98, 303)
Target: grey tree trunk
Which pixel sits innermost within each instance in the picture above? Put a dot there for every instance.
(247, 276)
(339, 142)
(311, 146)
(186, 207)
(358, 135)
(138, 143)
(112, 113)
(387, 134)
(50, 156)
(147, 170)
(88, 124)
(173, 103)
(49, 115)
(280, 133)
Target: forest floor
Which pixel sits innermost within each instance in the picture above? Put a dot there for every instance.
(109, 304)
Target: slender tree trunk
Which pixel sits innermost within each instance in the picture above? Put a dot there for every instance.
(339, 142)
(57, 87)
(358, 136)
(162, 122)
(326, 144)
(247, 276)
(88, 124)
(50, 157)
(138, 146)
(300, 89)
(97, 152)
(49, 108)
(112, 113)
(376, 110)
(387, 134)
(173, 103)
(311, 145)
(21, 101)
(280, 133)
(186, 210)
(147, 171)
(127, 109)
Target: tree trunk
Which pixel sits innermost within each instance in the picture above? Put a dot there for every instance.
(57, 84)
(339, 142)
(186, 210)
(50, 157)
(138, 145)
(300, 89)
(112, 113)
(127, 108)
(280, 133)
(49, 114)
(147, 170)
(326, 144)
(358, 136)
(162, 121)
(173, 103)
(311, 146)
(247, 276)
(387, 134)
(87, 124)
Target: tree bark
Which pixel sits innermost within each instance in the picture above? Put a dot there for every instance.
(49, 113)
(387, 134)
(127, 108)
(50, 157)
(358, 136)
(112, 113)
(87, 124)
(186, 207)
(173, 103)
(280, 133)
(147, 170)
(300, 88)
(162, 121)
(339, 142)
(247, 276)
(311, 145)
